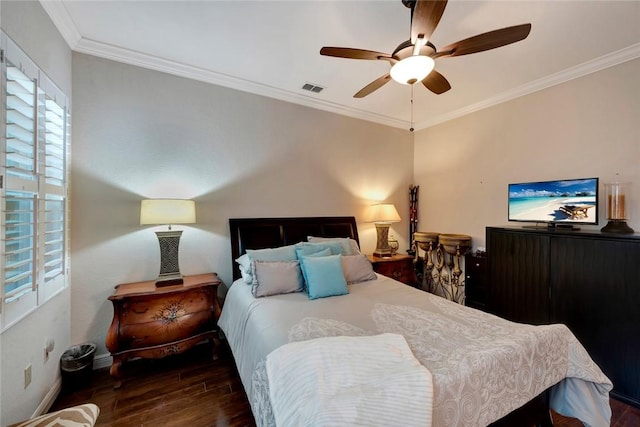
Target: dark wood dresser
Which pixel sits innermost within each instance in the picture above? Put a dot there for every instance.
(152, 322)
(399, 267)
(590, 281)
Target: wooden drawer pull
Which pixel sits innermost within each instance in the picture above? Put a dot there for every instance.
(140, 311)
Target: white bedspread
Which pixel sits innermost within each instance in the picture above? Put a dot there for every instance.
(347, 381)
(482, 367)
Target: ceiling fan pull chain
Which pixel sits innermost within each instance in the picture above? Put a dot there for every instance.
(411, 128)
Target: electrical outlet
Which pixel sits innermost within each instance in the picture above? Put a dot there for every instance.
(27, 375)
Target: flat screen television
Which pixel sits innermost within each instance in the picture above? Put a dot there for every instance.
(562, 202)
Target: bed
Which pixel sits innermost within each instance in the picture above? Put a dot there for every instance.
(482, 370)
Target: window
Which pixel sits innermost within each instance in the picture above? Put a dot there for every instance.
(33, 178)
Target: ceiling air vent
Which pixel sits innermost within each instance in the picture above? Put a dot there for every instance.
(312, 88)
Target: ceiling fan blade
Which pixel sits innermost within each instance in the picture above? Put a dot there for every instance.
(436, 83)
(425, 18)
(373, 86)
(486, 41)
(347, 52)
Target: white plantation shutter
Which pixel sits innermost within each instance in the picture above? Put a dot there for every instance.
(55, 138)
(54, 245)
(53, 188)
(33, 225)
(18, 223)
(21, 124)
(19, 245)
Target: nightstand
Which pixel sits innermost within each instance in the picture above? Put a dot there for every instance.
(398, 267)
(476, 280)
(152, 322)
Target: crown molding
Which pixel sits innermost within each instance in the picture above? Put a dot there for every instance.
(171, 67)
(188, 71)
(62, 20)
(609, 60)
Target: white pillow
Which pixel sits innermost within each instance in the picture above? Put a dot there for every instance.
(357, 268)
(349, 246)
(276, 277)
(244, 265)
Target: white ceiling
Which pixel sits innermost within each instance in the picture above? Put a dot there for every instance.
(272, 48)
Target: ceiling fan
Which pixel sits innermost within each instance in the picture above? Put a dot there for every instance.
(414, 60)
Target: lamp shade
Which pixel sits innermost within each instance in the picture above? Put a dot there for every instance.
(383, 213)
(167, 211)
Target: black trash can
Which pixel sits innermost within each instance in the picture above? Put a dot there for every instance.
(76, 365)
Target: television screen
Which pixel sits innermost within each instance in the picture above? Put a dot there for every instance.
(571, 200)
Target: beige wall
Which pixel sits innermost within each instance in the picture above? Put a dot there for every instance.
(142, 134)
(588, 127)
(29, 26)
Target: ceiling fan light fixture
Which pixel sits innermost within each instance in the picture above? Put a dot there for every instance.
(412, 69)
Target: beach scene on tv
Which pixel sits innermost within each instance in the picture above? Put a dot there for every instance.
(557, 201)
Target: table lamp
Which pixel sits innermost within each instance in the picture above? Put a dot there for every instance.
(168, 212)
(383, 214)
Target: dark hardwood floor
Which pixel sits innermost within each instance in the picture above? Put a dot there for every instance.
(194, 391)
(188, 389)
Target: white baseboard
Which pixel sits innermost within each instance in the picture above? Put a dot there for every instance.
(49, 398)
(101, 361)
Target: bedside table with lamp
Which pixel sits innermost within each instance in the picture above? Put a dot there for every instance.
(384, 259)
(158, 318)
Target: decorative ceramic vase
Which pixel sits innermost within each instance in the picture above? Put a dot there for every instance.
(393, 244)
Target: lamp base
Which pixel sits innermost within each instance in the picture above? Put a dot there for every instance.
(383, 250)
(169, 280)
(169, 268)
(617, 226)
(382, 254)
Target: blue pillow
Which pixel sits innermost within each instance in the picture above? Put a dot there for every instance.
(320, 253)
(307, 248)
(283, 253)
(349, 246)
(324, 276)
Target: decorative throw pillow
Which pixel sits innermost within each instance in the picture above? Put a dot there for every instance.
(276, 277)
(357, 268)
(349, 246)
(301, 258)
(283, 253)
(324, 276)
(307, 248)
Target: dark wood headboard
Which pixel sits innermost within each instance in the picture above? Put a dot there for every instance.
(260, 233)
